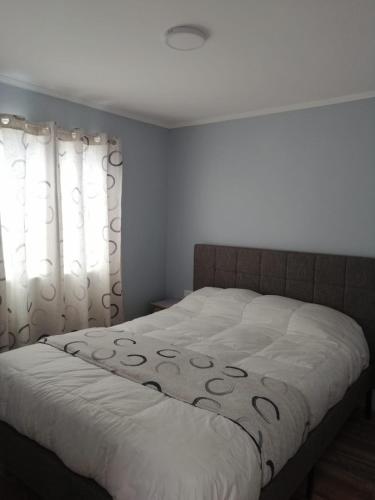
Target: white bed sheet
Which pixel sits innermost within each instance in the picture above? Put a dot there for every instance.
(139, 444)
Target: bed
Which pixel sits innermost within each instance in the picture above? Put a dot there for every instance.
(222, 275)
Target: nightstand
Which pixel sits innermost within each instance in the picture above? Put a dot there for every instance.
(159, 305)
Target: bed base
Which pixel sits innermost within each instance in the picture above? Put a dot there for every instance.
(43, 473)
(298, 467)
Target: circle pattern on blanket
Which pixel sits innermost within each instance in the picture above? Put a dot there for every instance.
(141, 360)
(95, 333)
(235, 372)
(166, 353)
(153, 384)
(123, 341)
(219, 386)
(103, 354)
(73, 351)
(168, 368)
(264, 408)
(201, 363)
(207, 403)
(207, 383)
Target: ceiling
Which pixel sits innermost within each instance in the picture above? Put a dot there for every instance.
(262, 56)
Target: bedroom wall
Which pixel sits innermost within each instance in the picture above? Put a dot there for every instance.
(144, 190)
(302, 180)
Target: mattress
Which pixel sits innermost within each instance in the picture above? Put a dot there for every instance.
(139, 444)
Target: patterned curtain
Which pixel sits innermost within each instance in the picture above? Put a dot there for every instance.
(60, 242)
(4, 337)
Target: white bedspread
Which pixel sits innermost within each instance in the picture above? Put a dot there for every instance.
(139, 444)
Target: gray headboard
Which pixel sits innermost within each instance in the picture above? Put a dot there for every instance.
(344, 283)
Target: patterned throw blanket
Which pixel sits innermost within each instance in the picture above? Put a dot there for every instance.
(273, 414)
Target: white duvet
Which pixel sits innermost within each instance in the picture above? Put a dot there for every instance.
(139, 444)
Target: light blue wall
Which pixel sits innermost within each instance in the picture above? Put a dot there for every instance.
(301, 180)
(144, 200)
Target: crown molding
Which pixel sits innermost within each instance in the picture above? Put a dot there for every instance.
(59, 95)
(281, 109)
(189, 123)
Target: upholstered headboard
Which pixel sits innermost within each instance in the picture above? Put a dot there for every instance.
(344, 283)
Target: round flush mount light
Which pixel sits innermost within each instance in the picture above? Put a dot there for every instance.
(185, 37)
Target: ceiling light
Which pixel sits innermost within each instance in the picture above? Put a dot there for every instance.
(185, 37)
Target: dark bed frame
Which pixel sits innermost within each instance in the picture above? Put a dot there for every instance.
(343, 282)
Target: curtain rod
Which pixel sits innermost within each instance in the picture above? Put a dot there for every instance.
(34, 128)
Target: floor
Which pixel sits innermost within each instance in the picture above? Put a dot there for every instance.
(346, 472)
(9, 490)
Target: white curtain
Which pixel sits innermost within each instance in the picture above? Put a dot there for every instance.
(60, 241)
